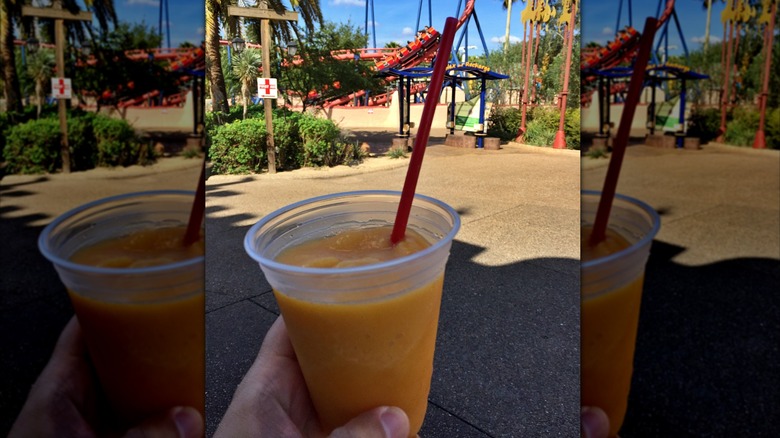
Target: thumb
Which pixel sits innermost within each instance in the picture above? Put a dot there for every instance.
(178, 422)
(381, 422)
(594, 422)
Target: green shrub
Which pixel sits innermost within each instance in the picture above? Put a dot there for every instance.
(741, 130)
(540, 133)
(239, 147)
(287, 140)
(321, 143)
(542, 126)
(772, 128)
(116, 141)
(572, 128)
(33, 147)
(704, 123)
(397, 152)
(299, 139)
(504, 122)
(81, 141)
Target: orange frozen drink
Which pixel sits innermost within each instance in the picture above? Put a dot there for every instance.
(138, 295)
(362, 314)
(611, 290)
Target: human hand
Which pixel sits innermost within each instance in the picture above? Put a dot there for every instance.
(272, 400)
(594, 422)
(65, 401)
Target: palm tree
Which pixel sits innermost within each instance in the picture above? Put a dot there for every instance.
(507, 4)
(9, 9)
(246, 67)
(216, 16)
(707, 4)
(11, 12)
(40, 68)
(214, 9)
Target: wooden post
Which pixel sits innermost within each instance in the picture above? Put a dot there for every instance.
(59, 15)
(265, 15)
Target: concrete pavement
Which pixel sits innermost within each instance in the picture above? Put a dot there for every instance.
(507, 354)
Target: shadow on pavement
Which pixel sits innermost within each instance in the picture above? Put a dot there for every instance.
(707, 361)
(507, 354)
(34, 305)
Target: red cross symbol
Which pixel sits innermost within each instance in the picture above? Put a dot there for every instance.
(267, 85)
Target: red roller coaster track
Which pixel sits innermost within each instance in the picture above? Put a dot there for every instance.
(624, 48)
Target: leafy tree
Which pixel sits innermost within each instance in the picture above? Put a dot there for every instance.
(319, 71)
(112, 77)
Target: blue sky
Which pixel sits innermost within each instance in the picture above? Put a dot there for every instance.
(599, 19)
(396, 20)
(186, 23)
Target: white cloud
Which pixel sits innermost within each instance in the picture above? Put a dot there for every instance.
(607, 31)
(201, 31)
(500, 39)
(154, 3)
(713, 39)
(408, 31)
(348, 2)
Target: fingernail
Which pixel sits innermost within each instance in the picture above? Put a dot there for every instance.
(187, 422)
(393, 422)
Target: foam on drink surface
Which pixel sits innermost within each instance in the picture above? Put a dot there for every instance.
(141, 248)
(352, 247)
(612, 243)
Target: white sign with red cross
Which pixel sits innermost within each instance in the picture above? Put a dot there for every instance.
(266, 88)
(60, 88)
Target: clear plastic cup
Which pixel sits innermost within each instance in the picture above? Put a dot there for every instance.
(364, 336)
(144, 327)
(611, 292)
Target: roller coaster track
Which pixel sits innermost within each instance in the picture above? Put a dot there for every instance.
(623, 49)
(422, 49)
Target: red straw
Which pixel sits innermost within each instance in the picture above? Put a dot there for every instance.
(196, 214)
(621, 140)
(429, 108)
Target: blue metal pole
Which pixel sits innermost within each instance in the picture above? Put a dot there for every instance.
(366, 22)
(481, 138)
(401, 105)
(419, 13)
(373, 24)
(479, 30)
(167, 23)
(681, 138)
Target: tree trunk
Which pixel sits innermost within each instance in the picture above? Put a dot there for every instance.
(13, 95)
(39, 96)
(216, 78)
(245, 95)
(707, 29)
(508, 21)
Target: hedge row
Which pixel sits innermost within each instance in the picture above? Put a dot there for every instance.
(93, 140)
(541, 125)
(300, 140)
